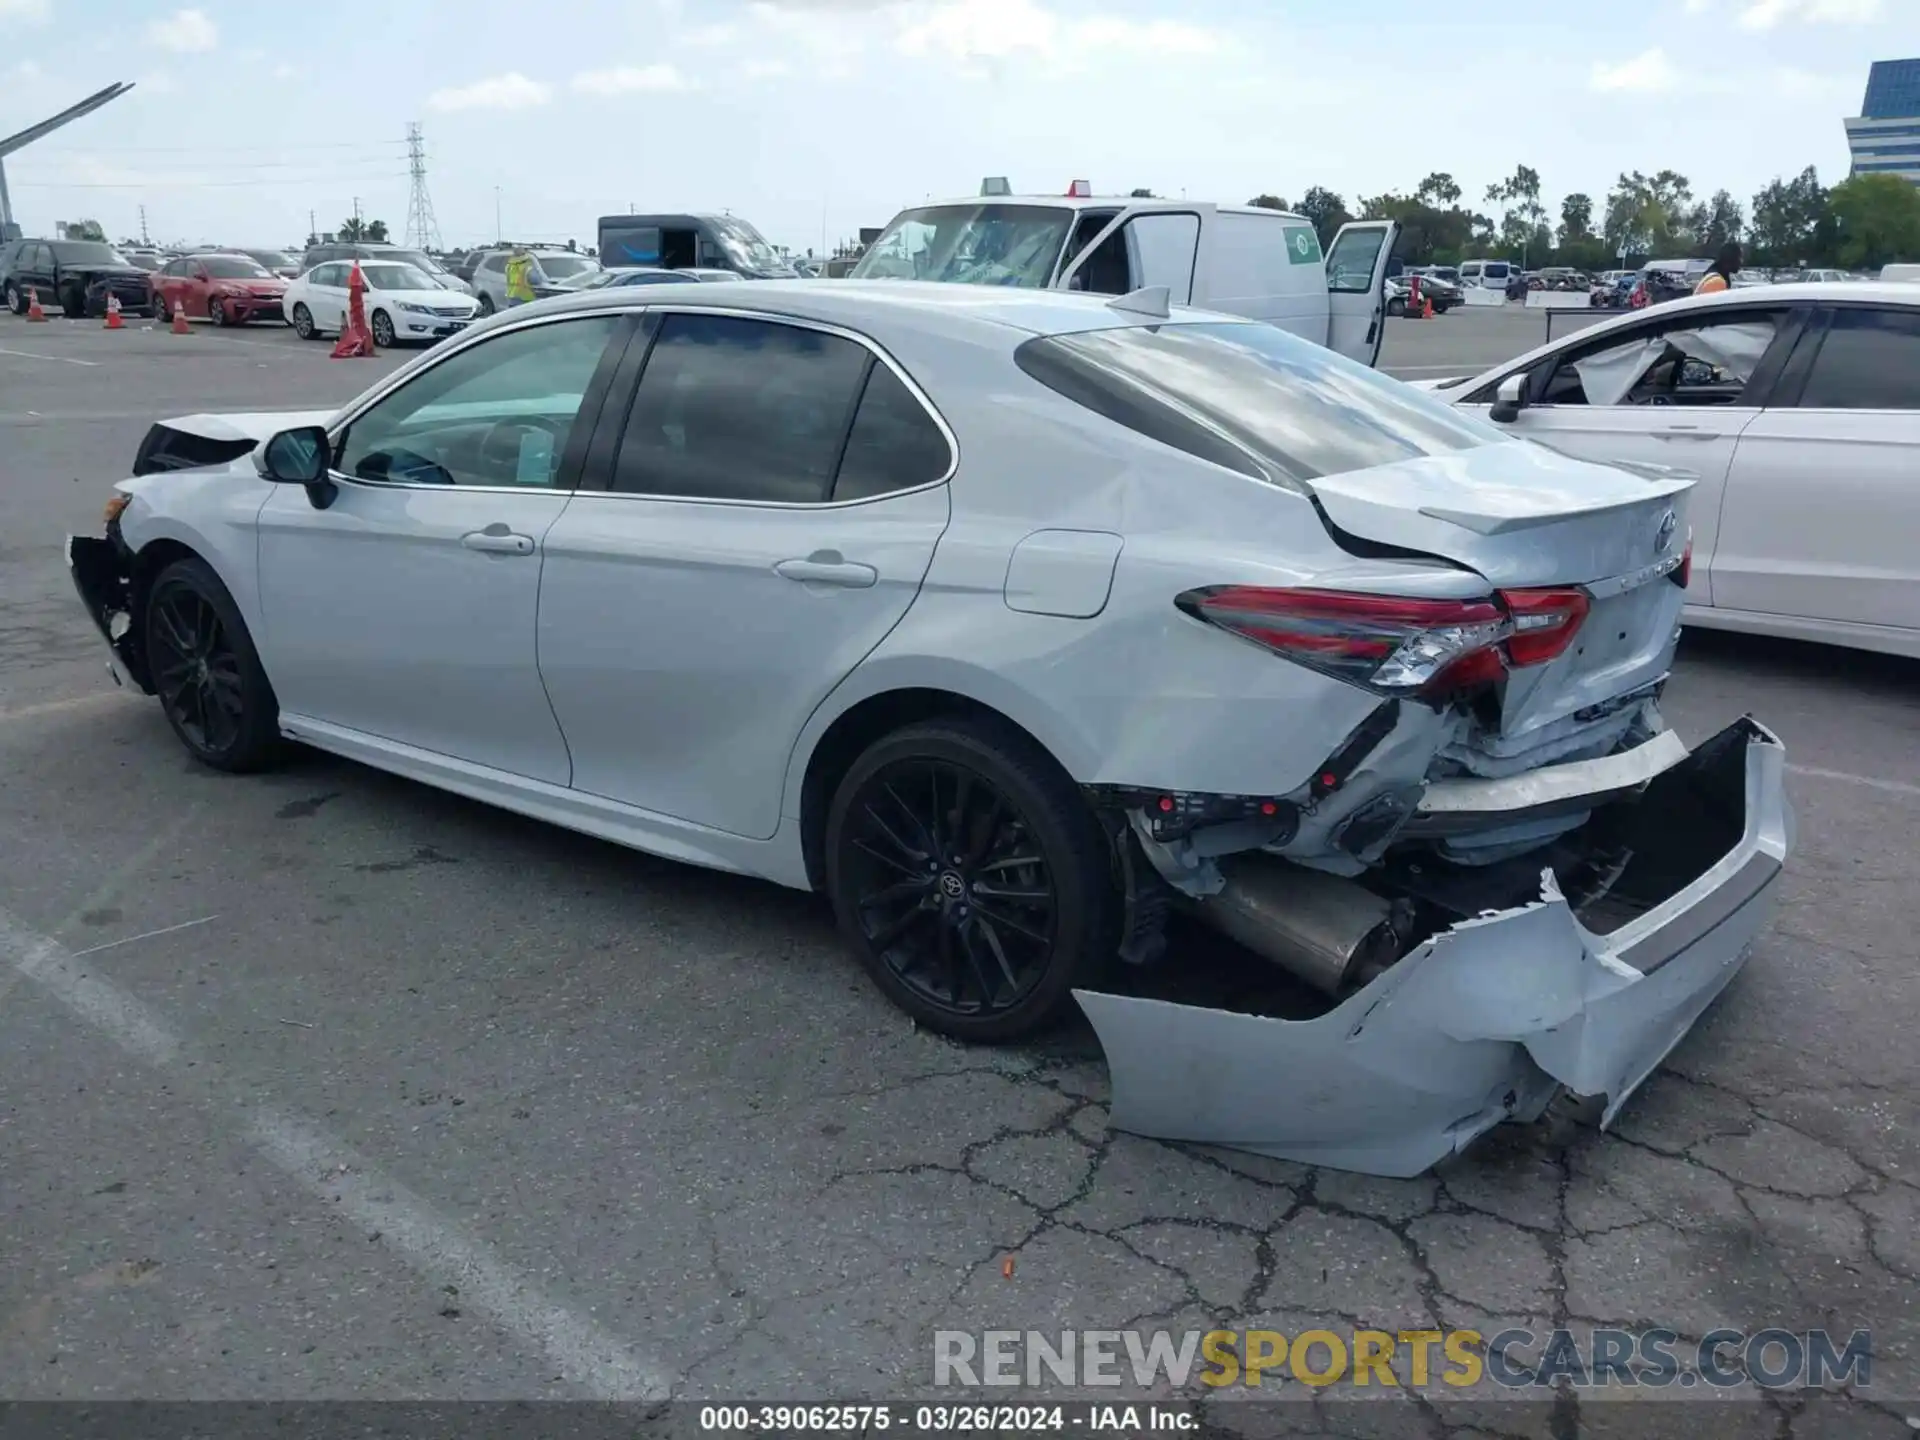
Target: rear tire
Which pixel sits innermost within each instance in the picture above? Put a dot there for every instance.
(486, 303)
(986, 939)
(1396, 307)
(212, 687)
(303, 323)
(16, 302)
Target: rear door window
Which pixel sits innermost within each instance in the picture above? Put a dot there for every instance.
(1869, 360)
(731, 408)
(894, 443)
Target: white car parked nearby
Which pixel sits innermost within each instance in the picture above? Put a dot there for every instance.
(403, 303)
(1795, 409)
(1011, 620)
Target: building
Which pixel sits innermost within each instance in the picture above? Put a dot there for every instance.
(1885, 138)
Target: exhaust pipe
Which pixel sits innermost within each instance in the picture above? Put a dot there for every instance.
(1327, 931)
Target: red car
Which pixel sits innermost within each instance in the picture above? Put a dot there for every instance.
(226, 289)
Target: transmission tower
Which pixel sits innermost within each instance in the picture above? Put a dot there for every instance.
(423, 231)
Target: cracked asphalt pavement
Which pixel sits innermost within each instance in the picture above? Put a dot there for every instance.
(324, 1085)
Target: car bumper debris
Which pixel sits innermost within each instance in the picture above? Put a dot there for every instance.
(1486, 1020)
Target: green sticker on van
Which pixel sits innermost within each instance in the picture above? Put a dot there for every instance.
(1303, 246)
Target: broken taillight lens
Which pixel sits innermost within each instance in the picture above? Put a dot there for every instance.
(1394, 644)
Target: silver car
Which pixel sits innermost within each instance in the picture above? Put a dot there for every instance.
(1013, 621)
(489, 282)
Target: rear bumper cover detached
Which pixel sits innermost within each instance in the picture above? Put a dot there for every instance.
(1488, 1020)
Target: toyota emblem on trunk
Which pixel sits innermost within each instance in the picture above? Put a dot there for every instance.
(1664, 534)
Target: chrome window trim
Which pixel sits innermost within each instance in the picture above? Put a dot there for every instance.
(467, 340)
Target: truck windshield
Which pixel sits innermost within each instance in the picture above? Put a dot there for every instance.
(745, 245)
(970, 244)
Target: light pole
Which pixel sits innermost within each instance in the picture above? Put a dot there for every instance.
(498, 237)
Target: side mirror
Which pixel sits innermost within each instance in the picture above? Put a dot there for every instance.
(299, 457)
(1509, 400)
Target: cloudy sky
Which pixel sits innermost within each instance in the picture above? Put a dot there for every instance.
(813, 117)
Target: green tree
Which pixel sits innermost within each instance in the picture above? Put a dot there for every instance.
(1576, 219)
(1722, 220)
(1651, 215)
(1524, 216)
(1326, 210)
(356, 231)
(85, 230)
(1428, 236)
(1439, 190)
(1877, 220)
(1141, 194)
(1269, 202)
(1793, 221)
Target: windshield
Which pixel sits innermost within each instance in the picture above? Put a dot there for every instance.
(1251, 397)
(744, 244)
(235, 267)
(397, 277)
(559, 267)
(970, 244)
(272, 259)
(86, 252)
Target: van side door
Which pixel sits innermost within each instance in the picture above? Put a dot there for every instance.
(1357, 288)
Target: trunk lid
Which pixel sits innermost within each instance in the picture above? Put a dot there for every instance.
(1527, 517)
(1518, 513)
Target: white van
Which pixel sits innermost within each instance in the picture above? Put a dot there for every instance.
(1900, 272)
(1240, 259)
(1488, 274)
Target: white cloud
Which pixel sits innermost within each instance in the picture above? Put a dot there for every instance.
(630, 79)
(284, 71)
(1648, 72)
(1698, 7)
(511, 91)
(967, 30)
(26, 11)
(765, 69)
(24, 70)
(704, 36)
(1766, 14)
(185, 32)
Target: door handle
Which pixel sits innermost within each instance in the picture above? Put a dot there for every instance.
(826, 567)
(496, 539)
(1686, 432)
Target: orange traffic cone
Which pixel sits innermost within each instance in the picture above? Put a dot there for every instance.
(114, 322)
(180, 325)
(1426, 310)
(34, 312)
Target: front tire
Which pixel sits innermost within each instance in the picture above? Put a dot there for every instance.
(303, 323)
(382, 326)
(971, 878)
(217, 312)
(211, 685)
(16, 302)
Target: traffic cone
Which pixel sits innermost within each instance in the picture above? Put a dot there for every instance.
(34, 312)
(114, 322)
(180, 325)
(356, 340)
(1426, 310)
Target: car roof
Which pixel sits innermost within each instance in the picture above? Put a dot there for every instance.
(1746, 297)
(873, 306)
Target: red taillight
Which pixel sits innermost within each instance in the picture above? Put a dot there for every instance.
(1395, 644)
(1682, 574)
(1544, 623)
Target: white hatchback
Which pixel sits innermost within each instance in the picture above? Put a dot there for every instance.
(403, 302)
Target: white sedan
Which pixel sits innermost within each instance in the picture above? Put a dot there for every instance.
(403, 302)
(1795, 408)
(1010, 620)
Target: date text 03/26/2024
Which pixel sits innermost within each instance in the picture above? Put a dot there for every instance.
(941, 1419)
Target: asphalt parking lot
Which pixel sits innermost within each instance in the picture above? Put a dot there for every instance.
(325, 1085)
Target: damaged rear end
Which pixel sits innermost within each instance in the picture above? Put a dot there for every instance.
(1509, 878)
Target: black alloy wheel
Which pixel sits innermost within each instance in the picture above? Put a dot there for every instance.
(204, 668)
(971, 878)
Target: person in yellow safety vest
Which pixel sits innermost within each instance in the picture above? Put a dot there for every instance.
(1720, 275)
(521, 269)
